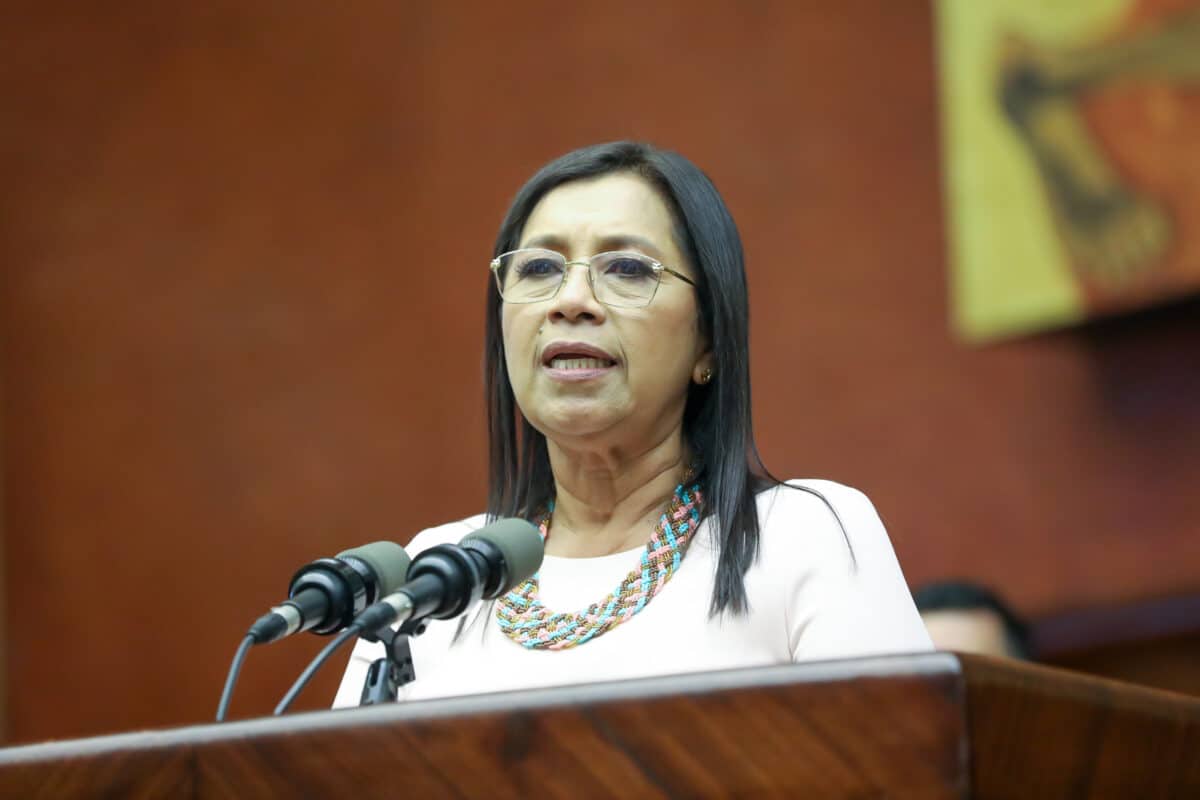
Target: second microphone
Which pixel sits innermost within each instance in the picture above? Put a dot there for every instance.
(447, 579)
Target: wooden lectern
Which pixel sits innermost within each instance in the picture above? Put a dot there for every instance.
(930, 726)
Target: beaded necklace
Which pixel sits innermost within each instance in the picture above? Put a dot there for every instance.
(523, 617)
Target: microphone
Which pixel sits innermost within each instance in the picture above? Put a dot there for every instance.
(443, 582)
(447, 579)
(325, 596)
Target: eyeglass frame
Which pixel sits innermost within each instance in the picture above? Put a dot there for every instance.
(658, 267)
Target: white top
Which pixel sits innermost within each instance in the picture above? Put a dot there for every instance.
(808, 598)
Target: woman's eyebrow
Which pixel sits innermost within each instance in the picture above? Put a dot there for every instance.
(617, 241)
(548, 241)
(623, 240)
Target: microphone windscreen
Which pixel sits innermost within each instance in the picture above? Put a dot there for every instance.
(387, 560)
(519, 542)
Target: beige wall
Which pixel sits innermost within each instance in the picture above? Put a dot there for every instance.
(245, 252)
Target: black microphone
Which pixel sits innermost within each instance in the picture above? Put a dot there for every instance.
(326, 595)
(447, 579)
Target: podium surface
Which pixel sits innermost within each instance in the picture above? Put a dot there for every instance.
(935, 725)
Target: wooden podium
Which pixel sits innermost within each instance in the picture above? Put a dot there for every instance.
(930, 726)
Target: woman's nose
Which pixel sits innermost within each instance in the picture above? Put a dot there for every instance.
(575, 298)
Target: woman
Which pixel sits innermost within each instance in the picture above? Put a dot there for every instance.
(618, 388)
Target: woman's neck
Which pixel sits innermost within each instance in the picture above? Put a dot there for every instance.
(607, 502)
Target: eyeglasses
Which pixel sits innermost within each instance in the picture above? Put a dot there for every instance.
(620, 279)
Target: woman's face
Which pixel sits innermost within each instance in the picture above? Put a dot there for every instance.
(583, 372)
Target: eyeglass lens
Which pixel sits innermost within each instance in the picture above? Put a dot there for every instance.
(624, 279)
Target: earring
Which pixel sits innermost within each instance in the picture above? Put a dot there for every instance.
(706, 376)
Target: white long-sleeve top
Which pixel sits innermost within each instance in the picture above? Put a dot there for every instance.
(814, 592)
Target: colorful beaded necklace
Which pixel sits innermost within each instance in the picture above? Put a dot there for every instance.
(524, 618)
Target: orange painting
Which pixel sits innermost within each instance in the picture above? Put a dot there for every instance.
(1098, 120)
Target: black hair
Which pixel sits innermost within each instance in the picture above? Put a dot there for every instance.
(963, 595)
(717, 421)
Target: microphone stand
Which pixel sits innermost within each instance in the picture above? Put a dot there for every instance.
(386, 675)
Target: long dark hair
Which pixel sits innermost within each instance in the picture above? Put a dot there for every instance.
(717, 419)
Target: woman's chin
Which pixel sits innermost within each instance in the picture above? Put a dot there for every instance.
(576, 421)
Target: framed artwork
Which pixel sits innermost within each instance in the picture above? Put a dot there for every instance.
(1071, 141)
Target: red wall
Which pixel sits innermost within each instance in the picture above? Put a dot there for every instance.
(245, 252)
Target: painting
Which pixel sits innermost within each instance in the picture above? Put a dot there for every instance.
(1071, 141)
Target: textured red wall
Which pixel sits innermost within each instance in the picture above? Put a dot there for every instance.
(245, 252)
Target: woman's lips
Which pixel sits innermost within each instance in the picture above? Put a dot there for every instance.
(573, 362)
(576, 361)
(572, 368)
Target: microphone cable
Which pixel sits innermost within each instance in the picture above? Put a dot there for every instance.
(314, 665)
(235, 669)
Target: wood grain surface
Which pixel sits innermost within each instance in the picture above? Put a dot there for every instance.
(1042, 732)
(925, 726)
(884, 727)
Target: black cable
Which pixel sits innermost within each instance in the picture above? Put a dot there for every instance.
(231, 679)
(323, 656)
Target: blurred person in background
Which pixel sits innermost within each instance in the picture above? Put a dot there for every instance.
(968, 618)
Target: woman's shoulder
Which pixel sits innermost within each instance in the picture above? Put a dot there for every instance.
(811, 500)
(824, 515)
(824, 546)
(447, 533)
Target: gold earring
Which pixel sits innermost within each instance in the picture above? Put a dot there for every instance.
(706, 376)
